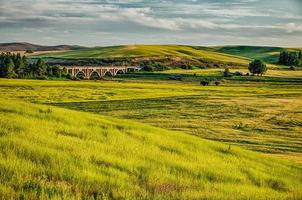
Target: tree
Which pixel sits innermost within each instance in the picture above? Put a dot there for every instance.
(289, 58)
(19, 66)
(56, 71)
(300, 55)
(257, 67)
(40, 68)
(9, 69)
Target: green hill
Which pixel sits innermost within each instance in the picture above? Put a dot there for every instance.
(53, 153)
(137, 51)
(267, 54)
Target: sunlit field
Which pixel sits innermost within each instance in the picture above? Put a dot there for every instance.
(48, 152)
(240, 139)
(262, 116)
(150, 100)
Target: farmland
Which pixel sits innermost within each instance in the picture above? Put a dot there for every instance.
(49, 152)
(237, 139)
(263, 116)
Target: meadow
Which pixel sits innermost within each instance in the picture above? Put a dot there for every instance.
(261, 114)
(54, 153)
(145, 136)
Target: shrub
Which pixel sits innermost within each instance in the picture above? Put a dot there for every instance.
(69, 76)
(238, 73)
(204, 83)
(176, 77)
(217, 83)
(186, 66)
(227, 73)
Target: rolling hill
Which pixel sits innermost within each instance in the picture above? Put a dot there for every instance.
(23, 46)
(54, 153)
(138, 51)
(267, 54)
(194, 55)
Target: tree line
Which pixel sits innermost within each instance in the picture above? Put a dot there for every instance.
(17, 66)
(290, 58)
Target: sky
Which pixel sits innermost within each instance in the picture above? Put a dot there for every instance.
(117, 22)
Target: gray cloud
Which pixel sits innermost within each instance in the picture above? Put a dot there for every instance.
(108, 22)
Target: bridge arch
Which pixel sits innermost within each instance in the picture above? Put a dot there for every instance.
(108, 73)
(80, 75)
(94, 75)
(120, 71)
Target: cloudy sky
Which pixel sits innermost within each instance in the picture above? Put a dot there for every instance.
(113, 22)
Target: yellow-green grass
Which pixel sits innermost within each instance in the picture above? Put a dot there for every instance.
(219, 72)
(53, 153)
(77, 91)
(148, 51)
(262, 116)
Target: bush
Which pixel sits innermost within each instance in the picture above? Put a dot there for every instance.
(148, 68)
(227, 73)
(217, 83)
(292, 68)
(204, 83)
(238, 73)
(176, 77)
(69, 76)
(186, 66)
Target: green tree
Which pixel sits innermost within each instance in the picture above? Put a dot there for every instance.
(19, 66)
(9, 68)
(289, 58)
(40, 68)
(257, 67)
(56, 71)
(300, 55)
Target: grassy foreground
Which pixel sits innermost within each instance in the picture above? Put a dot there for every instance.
(48, 152)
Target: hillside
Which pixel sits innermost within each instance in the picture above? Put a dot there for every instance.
(267, 54)
(47, 152)
(23, 46)
(138, 51)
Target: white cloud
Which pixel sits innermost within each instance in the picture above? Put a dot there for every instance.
(238, 18)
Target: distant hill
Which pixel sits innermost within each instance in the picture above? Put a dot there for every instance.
(181, 54)
(23, 46)
(169, 55)
(267, 54)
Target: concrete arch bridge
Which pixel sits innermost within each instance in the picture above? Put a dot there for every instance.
(91, 72)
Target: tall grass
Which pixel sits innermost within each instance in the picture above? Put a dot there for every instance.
(48, 152)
